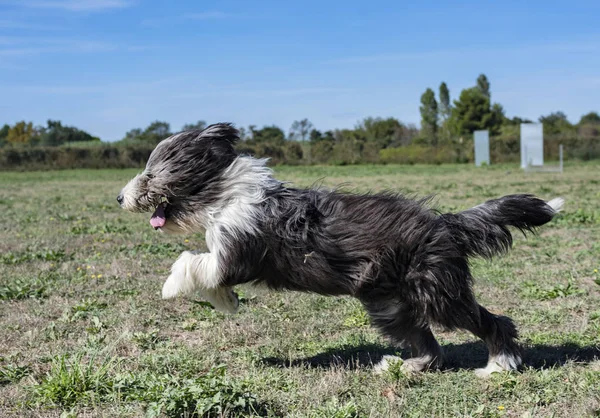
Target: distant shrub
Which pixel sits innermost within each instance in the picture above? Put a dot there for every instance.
(423, 154)
(66, 157)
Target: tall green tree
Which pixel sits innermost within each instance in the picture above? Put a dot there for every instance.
(300, 130)
(429, 116)
(445, 106)
(472, 111)
(483, 85)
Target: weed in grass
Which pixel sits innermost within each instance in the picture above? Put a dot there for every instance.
(82, 310)
(212, 394)
(165, 249)
(534, 291)
(96, 326)
(148, 340)
(13, 374)
(190, 325)
(334, 409)
(22, 289)
(358, 318)
(105, 228)
(44, 255)
(579, 217)
(72, 380)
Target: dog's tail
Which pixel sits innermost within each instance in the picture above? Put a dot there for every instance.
(483, 230)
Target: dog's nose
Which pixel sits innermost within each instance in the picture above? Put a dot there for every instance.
(120, 199)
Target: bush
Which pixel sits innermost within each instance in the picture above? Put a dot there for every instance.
(422, 154)
(44, 158)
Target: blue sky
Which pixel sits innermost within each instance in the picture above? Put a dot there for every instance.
(107, 66)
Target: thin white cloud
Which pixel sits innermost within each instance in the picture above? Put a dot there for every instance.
(392, 57)
(196, 16)
(73, 5)
(575, 46)
(18, 48)
(206, 16)
(16, 24)
(259, 93)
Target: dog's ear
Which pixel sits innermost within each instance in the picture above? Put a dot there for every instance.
(221, 132)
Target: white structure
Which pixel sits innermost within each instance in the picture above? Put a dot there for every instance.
(532, 144)
(482, 147)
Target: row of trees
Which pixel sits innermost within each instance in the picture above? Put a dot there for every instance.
(53, 134)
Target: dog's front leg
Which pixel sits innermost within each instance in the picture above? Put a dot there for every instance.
(200, 271)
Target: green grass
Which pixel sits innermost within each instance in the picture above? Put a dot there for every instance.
(85, 333)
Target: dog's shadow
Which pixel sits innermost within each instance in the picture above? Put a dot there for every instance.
(469, 355)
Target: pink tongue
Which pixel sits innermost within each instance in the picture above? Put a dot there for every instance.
(158, 217)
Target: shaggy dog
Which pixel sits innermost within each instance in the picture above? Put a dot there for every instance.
(406, 263)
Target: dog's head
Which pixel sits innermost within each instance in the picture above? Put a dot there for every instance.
(182, 177)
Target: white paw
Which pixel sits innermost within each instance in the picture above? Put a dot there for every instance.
(385, 363)
(498, 364)
(488, 370)
(223, 299)
(421, 364)
(181, 280)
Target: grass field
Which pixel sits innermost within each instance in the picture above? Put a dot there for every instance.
(83, 331)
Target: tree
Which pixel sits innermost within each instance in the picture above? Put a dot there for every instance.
(21, 133)
(156, 131)
(445, 106)
(483, 85)
(135, 133)
(588, 126)
(473, 112)
(243, 133)
(429, 116)
(300, 130)
(498, 116)
(556, 123)
(272, 135)
(381, 132)
(56, 134)
(315, 136)
(3, 134)
(200, 125)
(592, 117)
(516, 120)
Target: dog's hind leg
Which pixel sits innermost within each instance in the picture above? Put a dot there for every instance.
(396, 321)
(498, 332)
(500, 335)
